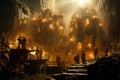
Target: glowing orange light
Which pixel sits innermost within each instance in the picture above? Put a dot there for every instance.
(38, 30)
(11, 46)
(87, 11)
(71, 29)
(91, 55)
(79, 46)
(61, 28)
(100, 24)
(89, 45)
(50, 18)
(77, 16)
(44, 20)
(94, 16)
(33, 53)
(83, 2)
(34, 19)
(87, 22)
(51, 26)
(58, 23)
(72, 39)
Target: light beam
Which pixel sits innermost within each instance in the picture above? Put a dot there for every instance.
(83, 2)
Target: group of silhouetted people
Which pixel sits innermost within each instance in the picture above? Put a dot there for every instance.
(106, 50)
(77, 58)
(22, 42)
(82, 55)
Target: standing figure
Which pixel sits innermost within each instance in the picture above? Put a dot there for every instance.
(96, 53)
(83, 57)
(19, 41)
(77, 59)
(4, 42)
(24, 40)
(58, 60)
(37, 52)
(40, 53)
(106, 51)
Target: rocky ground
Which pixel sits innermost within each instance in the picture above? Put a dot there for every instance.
(29, 77)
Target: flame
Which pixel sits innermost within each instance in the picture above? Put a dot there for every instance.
(33, 53)
(45, 55)
(11, 46)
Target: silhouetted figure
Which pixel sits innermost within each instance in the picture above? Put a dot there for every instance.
(77, 59)
(4, 42)
(106, 51)
(24, 40)
(96, 53)
(58, 60)
(83, 57)
(39, 53)
(19, 41)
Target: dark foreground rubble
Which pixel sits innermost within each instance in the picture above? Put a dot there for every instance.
(105, 68)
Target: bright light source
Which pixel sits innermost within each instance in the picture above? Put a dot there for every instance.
(91, 55)
(89, 45)
(83, 2)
